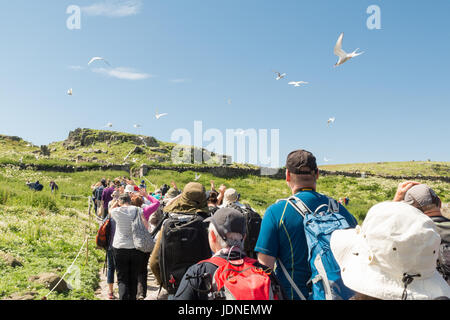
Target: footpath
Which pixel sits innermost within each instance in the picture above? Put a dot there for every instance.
(152, 289)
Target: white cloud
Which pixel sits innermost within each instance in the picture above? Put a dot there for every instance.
(123, 73)
(114, 8)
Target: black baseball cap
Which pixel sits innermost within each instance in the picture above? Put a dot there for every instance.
(227, 220)
(301, 162)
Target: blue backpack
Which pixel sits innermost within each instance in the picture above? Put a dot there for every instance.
(326, 278)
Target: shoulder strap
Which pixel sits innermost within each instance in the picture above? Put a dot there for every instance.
(137, 213)
(299, 206)
(288, 277)
(333, 205)
(217, 261)
(160, 224)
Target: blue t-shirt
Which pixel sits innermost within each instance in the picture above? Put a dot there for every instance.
(282, 236)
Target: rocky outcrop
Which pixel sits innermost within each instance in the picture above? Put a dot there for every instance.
(50, 280)
(10, 260)
(11, 138)
(31, 295)
(87, 137)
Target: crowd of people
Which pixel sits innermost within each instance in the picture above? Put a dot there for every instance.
(400, 251)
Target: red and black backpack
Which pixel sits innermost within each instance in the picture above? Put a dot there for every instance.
(242, 280)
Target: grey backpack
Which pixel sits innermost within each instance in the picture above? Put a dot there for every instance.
(142, 239)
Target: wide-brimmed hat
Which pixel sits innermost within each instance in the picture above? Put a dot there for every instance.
(396, 245)
(230, 196)
(192, 200)
(172, 193)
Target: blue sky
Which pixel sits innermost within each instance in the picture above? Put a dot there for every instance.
(390, 104)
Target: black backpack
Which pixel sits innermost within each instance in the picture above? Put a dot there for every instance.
(164, 189)
(184, 243)
(253, 227)
(443, 263)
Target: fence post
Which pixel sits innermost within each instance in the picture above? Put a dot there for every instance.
(88, 229)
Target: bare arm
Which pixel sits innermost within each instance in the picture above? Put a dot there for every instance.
(266, 260)
(221, 194)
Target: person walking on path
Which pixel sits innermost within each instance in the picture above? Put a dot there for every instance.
(128, 260)
(282, 239)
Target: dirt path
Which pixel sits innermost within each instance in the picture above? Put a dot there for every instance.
(152, 290)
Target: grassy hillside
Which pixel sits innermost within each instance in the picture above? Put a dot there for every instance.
(410, 168)
(45, 231)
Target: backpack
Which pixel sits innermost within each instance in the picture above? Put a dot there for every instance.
(253, 223)
(241, 280)
(326, 281)
(142, 239)
(443, 262)
(103, 236)
(184, 242)
(164, 189)
(98, 193)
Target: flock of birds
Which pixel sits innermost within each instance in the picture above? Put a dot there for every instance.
(338, 51)
(343, 58)
(110, 125)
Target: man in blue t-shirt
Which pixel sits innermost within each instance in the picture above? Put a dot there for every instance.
(282, 236)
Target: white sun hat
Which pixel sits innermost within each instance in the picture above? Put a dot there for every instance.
(230, 196)
(129, 188)
(396, 245)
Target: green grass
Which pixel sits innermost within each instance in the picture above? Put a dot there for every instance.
(46, 242)
(261, 192)
(410, 168)
(46, 230)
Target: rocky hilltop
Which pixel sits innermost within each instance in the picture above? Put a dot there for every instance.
(87, 137)
(111, 147)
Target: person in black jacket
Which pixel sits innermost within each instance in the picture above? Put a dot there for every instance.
(226, 235)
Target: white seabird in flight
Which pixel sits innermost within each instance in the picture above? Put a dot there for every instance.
(344, 56)
(160, 115)
(280, 76)
(331, 121)
(297, 83)
(98, 59)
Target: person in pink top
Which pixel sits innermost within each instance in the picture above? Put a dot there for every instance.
(137, 199)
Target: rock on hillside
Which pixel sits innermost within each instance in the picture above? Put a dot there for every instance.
(87, 137)
(11, 138)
